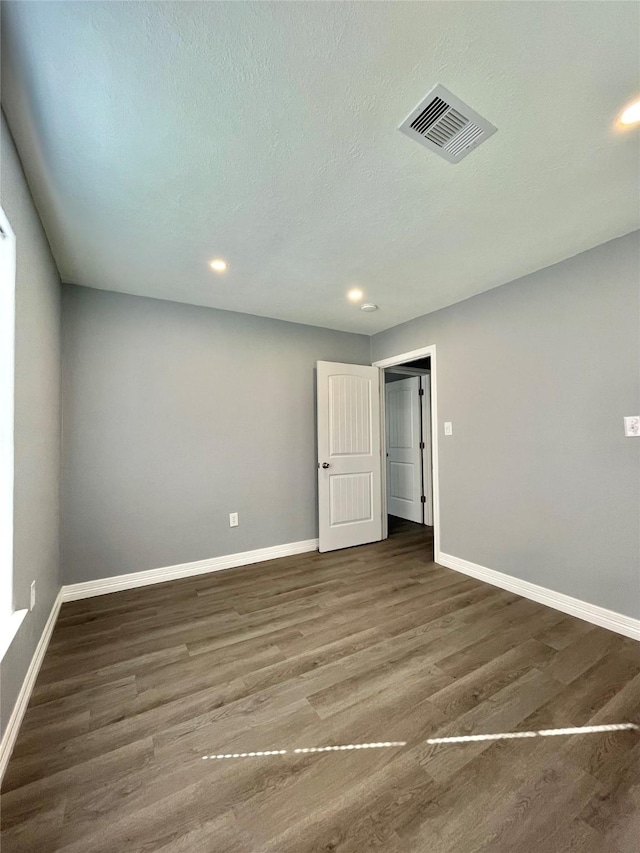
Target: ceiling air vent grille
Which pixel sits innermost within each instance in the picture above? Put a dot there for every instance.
(446, 125)
(430, 114)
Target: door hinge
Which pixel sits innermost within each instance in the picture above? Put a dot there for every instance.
(421, 392)
(423, 500)
(422, 445)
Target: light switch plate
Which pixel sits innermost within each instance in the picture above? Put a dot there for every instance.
(632, 425)
(448, 428)
(32, 596)
(233, 519)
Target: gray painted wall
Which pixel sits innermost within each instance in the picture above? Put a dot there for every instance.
(176, 415)
(37, 422)
(538, 480)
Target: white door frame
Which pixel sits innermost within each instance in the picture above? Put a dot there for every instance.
(393, 361)
(427, 458)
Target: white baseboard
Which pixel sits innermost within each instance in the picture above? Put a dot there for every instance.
(15, 720)
(617, 622)
(74, 591)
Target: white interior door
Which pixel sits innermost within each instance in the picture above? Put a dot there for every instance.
(349, 455)
(404, 455)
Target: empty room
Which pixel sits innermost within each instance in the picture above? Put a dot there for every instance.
(320, 427)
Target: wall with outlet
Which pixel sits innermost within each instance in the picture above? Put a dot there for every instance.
(37, 424)
(176, 419)
(537, 477)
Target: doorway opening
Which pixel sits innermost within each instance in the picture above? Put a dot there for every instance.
(408, 448)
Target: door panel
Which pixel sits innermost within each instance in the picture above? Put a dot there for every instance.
(404, 457)
(349, 457)
(401, 426)
(349, 415)
(351, 498)
(401, 481)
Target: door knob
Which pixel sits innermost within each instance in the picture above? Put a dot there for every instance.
(325, 465)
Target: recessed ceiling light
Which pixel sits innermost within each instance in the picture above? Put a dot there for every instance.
(368, 306)
(218, 265)
(355, 294)
(631, 115)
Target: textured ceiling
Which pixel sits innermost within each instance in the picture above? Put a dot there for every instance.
(159, 135)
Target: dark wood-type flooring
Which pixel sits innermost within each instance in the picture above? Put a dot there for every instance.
(371, 644)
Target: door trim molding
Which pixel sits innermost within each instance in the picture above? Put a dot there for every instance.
(427, 464)
(392, 361)
(610, 619)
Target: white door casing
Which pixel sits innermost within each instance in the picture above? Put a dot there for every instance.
(395, 361)
(404, 455)
(427, 455)
(349, 455)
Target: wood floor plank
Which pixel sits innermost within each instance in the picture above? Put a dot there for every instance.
(373, 644)
(530, 815)
(68, 684)
(175, 768)
(563, 633)
(19, 801)
(580, 655)
(472, 689)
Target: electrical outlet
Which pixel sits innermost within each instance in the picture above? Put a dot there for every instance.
(632, 425)
(32, 599)
(448, 428)
(233, 519)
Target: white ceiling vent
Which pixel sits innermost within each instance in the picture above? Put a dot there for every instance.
(446, 125)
